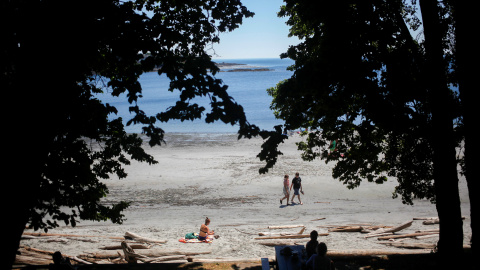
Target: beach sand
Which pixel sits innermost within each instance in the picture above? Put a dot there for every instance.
(216, 176)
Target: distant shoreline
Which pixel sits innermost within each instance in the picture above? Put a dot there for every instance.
(234, 69)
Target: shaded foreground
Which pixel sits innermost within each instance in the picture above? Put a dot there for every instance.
(403, 261)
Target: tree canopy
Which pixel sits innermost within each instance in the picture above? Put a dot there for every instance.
(361, 79)
(57, 55)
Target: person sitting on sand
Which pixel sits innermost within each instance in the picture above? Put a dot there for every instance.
(205, 231)
(285, 189)
(320, 261)
(311, 246)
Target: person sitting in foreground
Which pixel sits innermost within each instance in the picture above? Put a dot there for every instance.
(205, 231)
(320, 260)
(311, 246)
(60, 262)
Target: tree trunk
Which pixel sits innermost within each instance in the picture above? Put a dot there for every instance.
(442, 137)
(465, 50)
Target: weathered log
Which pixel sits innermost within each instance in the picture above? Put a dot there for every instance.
(138, 238)
(168, 258)
(29, 260)
(282, 243)
(408, 235)
(433, 230)
(129, 254)
(70, 235)
(78, 260)
(373, 252)
(347, 229)
(377, 234)
(104, 254)
(426, 236)
(431, 222)
(399, 228)
(274, 233)
(389, 230)
(26, 248)
(225, 260)
(134, 246)
(279, 233)
(173, 261)
(285, 226)
(289, 236)
(409, 245)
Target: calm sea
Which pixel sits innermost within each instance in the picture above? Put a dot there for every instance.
(248, 88)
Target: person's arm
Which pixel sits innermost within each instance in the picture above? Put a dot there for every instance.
(208, 230)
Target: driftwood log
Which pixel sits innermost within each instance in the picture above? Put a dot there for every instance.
(408, 235)
(390, 230)
(69, 235)
(281, 233)
(282, 243)
(141, 239)
(347, 229)
(110, 254)
(409, 245)
(431, 220)
(229, 260)
(285, 227)
(292, 236)
(134, 246)
(129, 254)
(373, 252)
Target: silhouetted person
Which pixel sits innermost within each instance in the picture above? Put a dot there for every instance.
(311, 246)
(59, 262)
(320, 261)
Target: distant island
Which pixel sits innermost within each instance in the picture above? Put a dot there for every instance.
(233, 67)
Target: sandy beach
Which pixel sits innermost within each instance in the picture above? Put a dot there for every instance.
(216, 176)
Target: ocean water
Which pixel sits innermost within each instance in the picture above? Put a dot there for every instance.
(248, 88)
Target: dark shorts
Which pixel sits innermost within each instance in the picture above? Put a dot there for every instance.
(296, 191)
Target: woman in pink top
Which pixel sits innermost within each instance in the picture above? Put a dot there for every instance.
(285, 189)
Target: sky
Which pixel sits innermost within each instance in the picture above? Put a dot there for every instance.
(263, 36)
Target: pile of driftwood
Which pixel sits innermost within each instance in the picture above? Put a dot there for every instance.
(388, 235)
(391, 235)
(132, 249)
(276, 238)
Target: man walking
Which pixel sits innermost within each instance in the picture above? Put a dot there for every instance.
(297, 187)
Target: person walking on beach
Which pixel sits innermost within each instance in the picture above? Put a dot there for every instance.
(285, 189)
(319, 260)
(297, 187)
